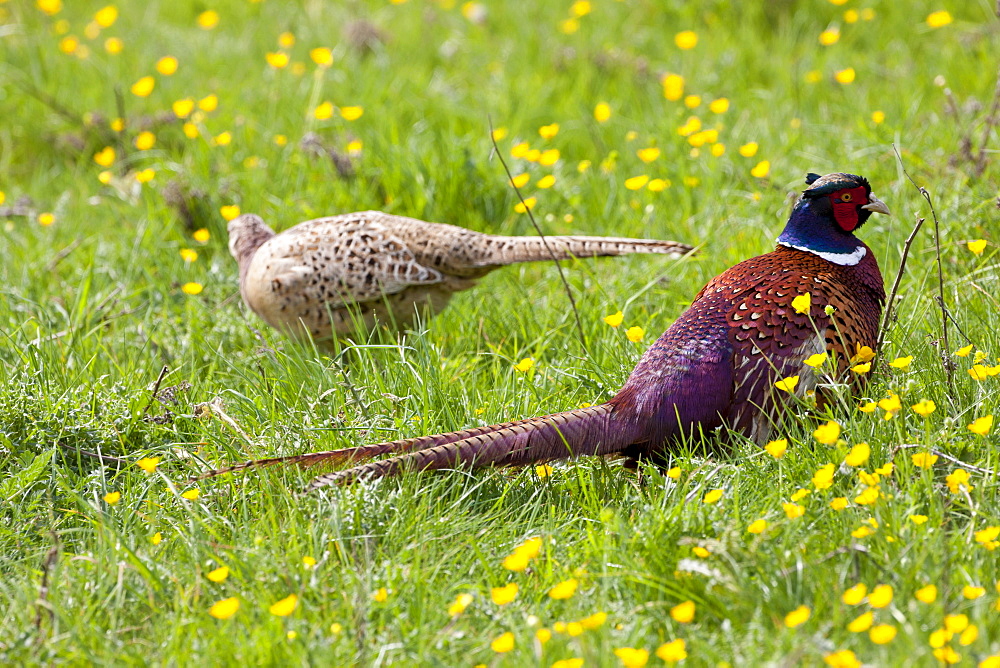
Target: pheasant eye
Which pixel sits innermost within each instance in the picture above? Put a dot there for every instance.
(846, 197)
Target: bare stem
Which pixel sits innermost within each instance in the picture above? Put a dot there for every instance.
(895, 284)
(945, 348)
(562, 276)
(991, 121)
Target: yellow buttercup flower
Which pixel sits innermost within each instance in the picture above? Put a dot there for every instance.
(828, 433)
(632, 657)
(636, 182)
(322, 56)
(686, 40)
(673, 651)
(793, 510)
(882, 634)
(143, 87)
(504, 595)
(981, 426)
(829, 37)
(106, 16)
(923, 460)
(858, 455)
(777, 448)
(902, 362)
(880, 596)
(861, 623)
(823, 477)
(564, 589)
(977, 246)
(854, 595)
(648, 154)
(219, 574)
(673, 87)
(351, 113)
(324, 111)
(111, 498)
(602, 112)
(503, 643)
(285, 606)
(797, 617)
(845, 76)
(712, 496)
(166, 66)
(548, 131)
(927, 594)
(757, 526)
(939, 19)
(148, 464)
(787, 384)
(802, 303)
(924, 407)
(105, 157)
(719, 106)
(209, 103)
(225, 608)
(381, 595)
(526, 205)
(635, 334)
(277, 59)
(615, 319)
(761, 169)
(145, 140)
(683, 613)
(462, 601)
(208, 20)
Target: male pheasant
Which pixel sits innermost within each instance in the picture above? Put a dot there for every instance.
(717, 365)
(321, 276)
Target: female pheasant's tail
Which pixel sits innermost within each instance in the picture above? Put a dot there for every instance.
(582, 431)
(508, 250)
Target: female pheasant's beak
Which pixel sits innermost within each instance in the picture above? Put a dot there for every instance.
(876, 205)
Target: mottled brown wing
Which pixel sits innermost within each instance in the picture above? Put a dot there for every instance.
(353, 258)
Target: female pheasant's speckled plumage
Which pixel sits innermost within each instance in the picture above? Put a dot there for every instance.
(324, 277)
(716, 366)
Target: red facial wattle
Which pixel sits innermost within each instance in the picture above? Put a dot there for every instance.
(846, 204)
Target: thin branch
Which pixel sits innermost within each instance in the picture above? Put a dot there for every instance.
(156, 388)
(106, 459)
(562, 276)
(991, 121)
(895, 284)
(42, 602)
(945, 349)
(953, 460)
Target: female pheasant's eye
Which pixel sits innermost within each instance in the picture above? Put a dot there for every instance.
(846, 197)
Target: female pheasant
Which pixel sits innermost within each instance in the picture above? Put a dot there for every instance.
(322, 277)
(717, 365)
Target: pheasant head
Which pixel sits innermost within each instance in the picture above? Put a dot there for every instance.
(828, 213)
(247, 233)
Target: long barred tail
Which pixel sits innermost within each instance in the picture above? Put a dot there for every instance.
(507, 250)
(582, 431)
(363, 452)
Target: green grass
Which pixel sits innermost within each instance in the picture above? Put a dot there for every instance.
(92, 310)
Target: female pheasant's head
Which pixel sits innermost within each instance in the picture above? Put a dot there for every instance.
(247, 233)
(825, 217)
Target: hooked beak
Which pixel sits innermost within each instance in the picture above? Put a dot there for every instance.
(876, 205)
